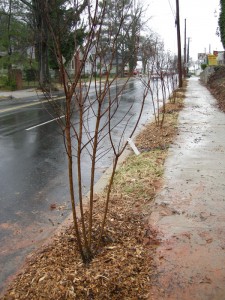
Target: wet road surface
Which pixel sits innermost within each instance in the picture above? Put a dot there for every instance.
(33, 174)
(189, 212)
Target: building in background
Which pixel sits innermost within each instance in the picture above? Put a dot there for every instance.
(220, 57)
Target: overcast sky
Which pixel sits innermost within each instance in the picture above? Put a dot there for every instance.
(201, 18)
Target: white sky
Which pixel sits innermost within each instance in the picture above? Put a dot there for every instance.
(200, 19)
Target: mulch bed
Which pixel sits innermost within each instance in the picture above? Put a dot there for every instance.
(122, 268)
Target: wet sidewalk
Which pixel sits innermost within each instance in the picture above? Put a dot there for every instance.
(189, 211)
(18, 94)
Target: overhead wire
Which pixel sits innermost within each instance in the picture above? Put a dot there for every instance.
(173, 11)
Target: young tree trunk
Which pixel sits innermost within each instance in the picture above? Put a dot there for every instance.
(92, 127)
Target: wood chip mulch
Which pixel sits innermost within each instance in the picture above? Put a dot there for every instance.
(122, 269)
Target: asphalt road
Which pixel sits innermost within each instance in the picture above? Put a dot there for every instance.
(33, 173)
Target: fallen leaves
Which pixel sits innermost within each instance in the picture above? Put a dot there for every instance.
(53, 206)
(216, 85)
(122, 268)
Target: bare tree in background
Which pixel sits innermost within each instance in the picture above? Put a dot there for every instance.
(90, 109)
(170, 77)
(160, 77)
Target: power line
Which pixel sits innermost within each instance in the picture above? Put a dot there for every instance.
(172, 10)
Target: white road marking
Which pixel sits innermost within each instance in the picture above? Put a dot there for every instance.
(33, 103)
(45, 123)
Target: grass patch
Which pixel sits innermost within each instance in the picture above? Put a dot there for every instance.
(137, 175)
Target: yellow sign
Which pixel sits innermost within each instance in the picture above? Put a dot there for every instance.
(212, 60)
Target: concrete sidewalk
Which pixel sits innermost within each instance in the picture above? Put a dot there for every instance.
(189, 211)
(19, 94)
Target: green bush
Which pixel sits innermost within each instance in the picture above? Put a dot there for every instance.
(30, 74)
(6, 83)
(203, 66)
(11, 84)
(3, 80)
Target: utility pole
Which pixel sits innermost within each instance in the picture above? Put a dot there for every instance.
(179, 44)
(185, 49)
(188, 54)
(188, 49)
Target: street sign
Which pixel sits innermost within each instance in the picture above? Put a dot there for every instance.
(212, 60)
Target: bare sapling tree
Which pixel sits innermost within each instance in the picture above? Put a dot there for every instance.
(171, 78)
(153, 76)
(157, 78)
(92, 110)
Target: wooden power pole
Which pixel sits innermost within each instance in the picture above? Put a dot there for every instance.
(185, 49)
(179, 44)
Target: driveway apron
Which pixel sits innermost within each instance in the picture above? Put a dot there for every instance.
(189, 211)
